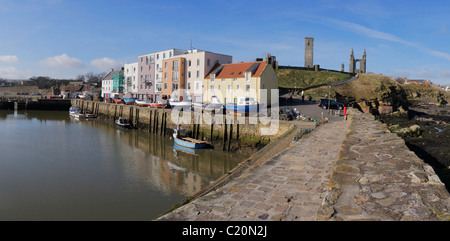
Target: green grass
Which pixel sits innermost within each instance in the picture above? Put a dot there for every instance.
(288, 78)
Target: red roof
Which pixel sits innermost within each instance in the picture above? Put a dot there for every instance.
(238, 70)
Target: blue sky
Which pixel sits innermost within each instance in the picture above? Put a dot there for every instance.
(62, 38)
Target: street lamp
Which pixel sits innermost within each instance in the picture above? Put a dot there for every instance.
(329, 98)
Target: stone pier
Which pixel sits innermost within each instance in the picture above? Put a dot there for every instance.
(344, 170)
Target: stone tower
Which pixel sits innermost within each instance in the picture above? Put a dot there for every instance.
(309, 52)
(353, 62)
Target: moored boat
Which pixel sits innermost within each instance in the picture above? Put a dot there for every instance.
(159, 104)
(74, 110)
(118, 101)
(122, 122)
(128, 99)
(143, 103)
(244, 104)
(181, 140)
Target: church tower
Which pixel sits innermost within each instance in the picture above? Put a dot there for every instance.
(309, 52)
(352, 62)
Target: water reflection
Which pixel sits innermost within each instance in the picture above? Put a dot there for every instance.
(53, 167)
(169, 167)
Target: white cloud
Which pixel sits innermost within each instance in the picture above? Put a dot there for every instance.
(11, 73)
(10, 59)
(106, 64)
(63, 61)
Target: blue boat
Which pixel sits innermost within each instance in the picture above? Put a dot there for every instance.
(244, 104)
(181, 140)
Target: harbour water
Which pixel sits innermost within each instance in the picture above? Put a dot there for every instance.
(53, 167)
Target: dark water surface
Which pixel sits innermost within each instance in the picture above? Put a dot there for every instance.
(55, 168)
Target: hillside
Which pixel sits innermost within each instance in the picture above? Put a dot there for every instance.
(373, 90)
(426, 93)
(288, 78)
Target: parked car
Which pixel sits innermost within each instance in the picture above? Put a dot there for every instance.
(333, 104)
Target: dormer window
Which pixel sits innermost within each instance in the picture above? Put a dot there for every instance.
(212, 77)
(231, 73)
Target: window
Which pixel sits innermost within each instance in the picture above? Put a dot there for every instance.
(247, 88)
(142, 68)
(149, 68)
(165, 75)
(212, 88)
(198, 62)
(237, 87)
(247, 76)
(235, 80)
(231, 73)
(212, 77)
(189, 74)
(218, 87)
(175, 76)
(197, 86)
(175, 65)
(209, 62)
(189, 63)
(165, 65)
(198, 74)
(164, 55)
(174, 87)
(158, 87)
(142, 59)
(223, 80)
(165, 86)
(230, 89)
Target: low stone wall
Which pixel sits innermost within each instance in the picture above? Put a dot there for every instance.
(221, 134)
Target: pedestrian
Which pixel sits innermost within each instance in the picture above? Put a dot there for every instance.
(303, 96)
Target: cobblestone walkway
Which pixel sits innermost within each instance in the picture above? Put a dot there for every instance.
(378, 178)
(289, 186)
(344, 170)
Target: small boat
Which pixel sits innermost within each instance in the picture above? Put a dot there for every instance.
(118, 101)
(143, 103)
(181, 140)
(122, 122)
(128, 99)
(88, 115)
(180, 104)
(244, 104)
(159, 104)
(73, 110)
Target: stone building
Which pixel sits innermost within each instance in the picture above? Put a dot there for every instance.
(309, 52)
(354, 62)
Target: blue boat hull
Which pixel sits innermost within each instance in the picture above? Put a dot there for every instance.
(243, 108)
(189, 144)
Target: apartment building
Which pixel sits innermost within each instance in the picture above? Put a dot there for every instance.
(227, 82)
(198, 64)
(173, 78)
(150, 73)
(112, 83)
(130, 78)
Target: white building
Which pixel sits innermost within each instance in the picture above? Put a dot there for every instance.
(130, 78)
(198, 64)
